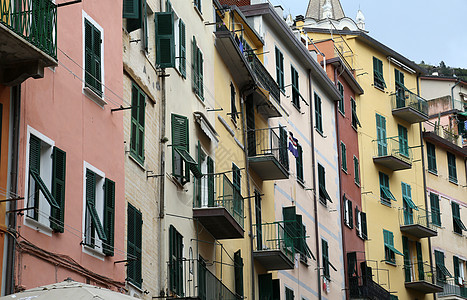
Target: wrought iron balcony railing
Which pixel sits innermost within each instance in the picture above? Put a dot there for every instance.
(404, 98)
(34, 20)
(420, 276)
(263, 76)
(393, 154)
(417, 222)
(453, 288)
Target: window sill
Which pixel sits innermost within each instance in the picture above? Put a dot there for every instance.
(177, 183)
(341, 112)
(323, 203)
(320, 133)
(345, 171)
(385, 203)
(200, 99)
(136, 162)
(348, 224)
(200, 14)
(234, 122)
(354, 128)
(301, 183)
(357, 183)
(296, 107)
(458, 234)
(453, 182)
(93, 252)
(437, 225)
(94, 97)
(38, 226)
(179, 72)
(433, 172)
(133, 285)
(378, 88)
(391, 263)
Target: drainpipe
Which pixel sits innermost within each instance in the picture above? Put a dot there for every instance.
(315, 199)
(452, 92)
(424, 186)
(15, 100)
(247, 170)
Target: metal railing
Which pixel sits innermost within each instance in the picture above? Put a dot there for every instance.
(34, 20)
(216, 190)
(263, 76)
(452, 288)
(409, 216)
(197, 281)
(363, 284)
(272, 236)
(268, 141)
(392, 147)
(404, 98)
(419, 271)
(444, 132)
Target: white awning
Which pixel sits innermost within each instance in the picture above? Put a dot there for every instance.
(206, 126)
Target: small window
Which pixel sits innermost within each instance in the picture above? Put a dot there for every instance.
(280, 69)
(385, 193)
(389, 250)
(378, 74)
(93, 58)
(289, 295)
(325, 258)
(459, 270)
(233, 106)
(197, 4)
(134, 244)
(431, 154)
(138, 104)
(341, 105)
(181, 55)
(360, 224)
(175, 261)
(356, 167)
(355, 120)
(458, 225)
(441, 271)
(295, 88)
(299, 163)
(344, 156)
(318, 114)
(198, 62)
(435, 211)
(400, 89)
(452, 167)
(381, 135)
(403, 141)
(238, 273)
(323, 194)
(348, 212)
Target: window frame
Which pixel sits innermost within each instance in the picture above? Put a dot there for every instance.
(137, 123)
(348, 212)
(100, 95)
(323, 194)
(431, 157)
(378, 74)
(389, 250)
(295, 87)
(452, 168)
(435, 209)
(341, 102)
(355, 120)
(299, 164)
(176, 241)
(280, 69)
(385, 193)
(325, 258)
(344, 157)
(318, 113)
(356, 167)
(136, 244)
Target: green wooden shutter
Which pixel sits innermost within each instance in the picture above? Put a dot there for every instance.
(134, 243)
(236, 177)
(407, 266)
(431, 155)
(141, 123)
(344, 156)
(364, 226)
(182, 42)
(289, 295)
(403, 142)
(341, 99)
(58, 189)
(280, 69)
(165, 45)
(435, 212)
(299, 163)
(194, 65)
(233, 107)
(318, 114)
(34, 154)
(381, 135)
(109, 216)
(130, 9)
(456, 268)
(168, 6)
(200, 75)
(211, 190)
(356, 168)
(350, 210)
(325, 250)
(91, 199)
(134, 20)
(283, 153)
(97, 60)
(298, 241)
(92, 61)
(238, 263)
(290, 227)
(138, 104)
(276, 289)
(421, 272)
(180, 139)
(265, 286)
(452, 167)
(295, 88)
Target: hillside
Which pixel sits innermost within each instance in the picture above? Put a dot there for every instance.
(444, 70)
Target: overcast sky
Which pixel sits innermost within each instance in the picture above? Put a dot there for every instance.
(427, 30)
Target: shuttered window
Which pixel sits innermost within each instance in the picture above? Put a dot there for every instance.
(233, 106)
(341, 106)
(289, 295)
(134, 244)
(165, 43)
(280, 69)
(381, 135)
(197, 68)
(175, 261)
(431, 155)
(403, 141)
(441, 271)
(295, 88)
(318, 114)
(238, 269)
(180, 146)
(452, 167)
(134, 11)
(296, 230)
(299, 163)
(400, 88)
(458, 225)
(348, 212)
(237, 177)
(109, 216)
(58, 189)
(93, 218)
(344, 156)
(378, 73)
(435, 211)
(325, 258)
(92, 61)
(389, 250)
(138, 104)
(355, 120)
(385, 193)
(197, 4)
(323, 194)
(356, 169)
(182, 48)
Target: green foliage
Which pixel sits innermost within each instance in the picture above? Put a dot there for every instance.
(444, 70)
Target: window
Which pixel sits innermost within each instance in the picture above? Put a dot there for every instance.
(323, 194)
(325, 258)
(204, 186)
(165, 39)
(134, 243)
(295, 88)
(175, 261)
(344, 156)
(280, 69)
(238, 273)
(138, 104)
(318, 114)
(408, 204)
(197, 4)
(393, 297)
(356, 169)
(294, 227)
(360, 224)
(459, 266)
(46, 182)
(181, 55)
(355, 120)
(452, 167)
(299, 163)
(233, 107)
(100, 211)
(435, 211)
(348, 212)
(400, 88)
(289, 295)
(92, 61)
(197, 67)
(378, 74)
(458, 225)
(385, 192)
(431, 154)
(381, 135)
(389, 250)
(268, 288)
(236, 177)
(182, 162)
(133, 12)
(403, 141)
(341, 106)
(441, 271)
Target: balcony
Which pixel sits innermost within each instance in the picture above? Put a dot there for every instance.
(363, 286)
(416, 222)
(391, 154)
(452, 290)
(273, 247)
(249, 73)
(28, 39)
(218, 206)
(420, 277)
(267, 153)
(409, 106)
(191, 279)
(444, 137)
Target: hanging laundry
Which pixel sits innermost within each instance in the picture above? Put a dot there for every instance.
(293, 144)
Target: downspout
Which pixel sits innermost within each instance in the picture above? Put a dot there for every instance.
(315, 199)
(247, 170)
(452, 92)
(15, 100)
(424, 185)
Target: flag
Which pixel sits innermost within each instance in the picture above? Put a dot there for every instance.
(293, 144)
